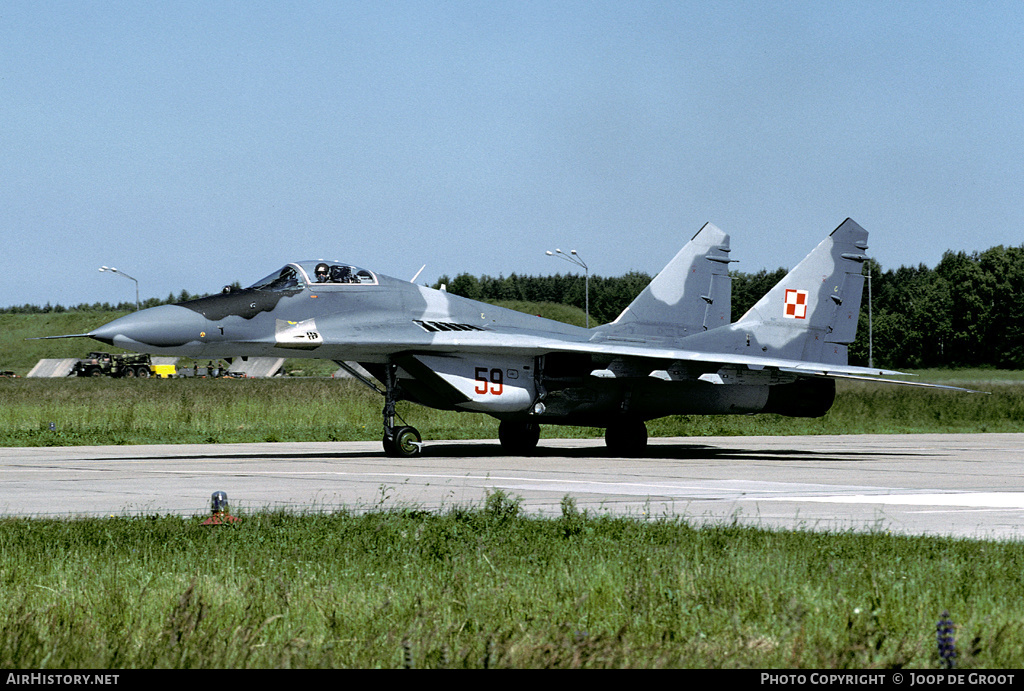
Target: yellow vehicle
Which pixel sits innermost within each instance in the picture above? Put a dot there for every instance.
(163, 371)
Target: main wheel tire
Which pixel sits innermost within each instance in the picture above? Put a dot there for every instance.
(404, 443)
(626, 438)
(142, 372)
(518, 438)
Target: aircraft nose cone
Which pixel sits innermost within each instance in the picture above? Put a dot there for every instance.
(165, 326)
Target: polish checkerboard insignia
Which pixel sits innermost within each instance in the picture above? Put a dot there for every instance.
(796, 304)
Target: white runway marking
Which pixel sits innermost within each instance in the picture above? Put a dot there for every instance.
(990, 500)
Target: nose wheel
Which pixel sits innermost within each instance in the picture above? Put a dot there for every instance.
(404, 442)
(399, 441)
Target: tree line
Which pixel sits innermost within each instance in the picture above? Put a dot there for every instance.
(966, 312)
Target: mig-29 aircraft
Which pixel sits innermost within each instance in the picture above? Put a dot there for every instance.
(672, 351)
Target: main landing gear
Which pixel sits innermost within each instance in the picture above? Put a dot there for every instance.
(518, 438)
(626, 437)
(399, 441)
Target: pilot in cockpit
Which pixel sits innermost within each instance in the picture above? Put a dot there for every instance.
(323, 273)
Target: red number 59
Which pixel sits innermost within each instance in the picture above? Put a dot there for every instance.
(492, 381)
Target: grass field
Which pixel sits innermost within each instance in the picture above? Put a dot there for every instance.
(487, 587)
(123, 411)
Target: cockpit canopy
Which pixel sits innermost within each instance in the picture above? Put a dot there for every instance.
(304, 274)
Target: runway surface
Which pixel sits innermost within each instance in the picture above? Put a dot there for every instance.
(962, 485)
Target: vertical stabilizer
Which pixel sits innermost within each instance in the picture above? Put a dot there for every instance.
(692, 294)
(811, 314)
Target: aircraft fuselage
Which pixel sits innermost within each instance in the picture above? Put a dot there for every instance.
(672, 351)
(452, 352)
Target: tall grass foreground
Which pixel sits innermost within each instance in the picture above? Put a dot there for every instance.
(489, 587)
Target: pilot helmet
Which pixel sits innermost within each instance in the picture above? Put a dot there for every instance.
(219, 502)
(321, 271)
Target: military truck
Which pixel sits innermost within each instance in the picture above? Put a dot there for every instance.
(97, 364)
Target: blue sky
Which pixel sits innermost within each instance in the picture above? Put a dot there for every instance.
(192, 144)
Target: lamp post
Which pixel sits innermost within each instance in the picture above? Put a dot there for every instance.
(122, 273)
(871, 355)
(578, 261)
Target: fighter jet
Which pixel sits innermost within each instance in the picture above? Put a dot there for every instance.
(672, 351)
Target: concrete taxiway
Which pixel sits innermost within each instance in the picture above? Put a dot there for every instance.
(960, 485)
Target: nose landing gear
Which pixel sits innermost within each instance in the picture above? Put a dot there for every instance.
(404, 442)
(401, 441)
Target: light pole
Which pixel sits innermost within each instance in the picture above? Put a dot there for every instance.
(122, 273)
(578, 261)
(871, 355)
